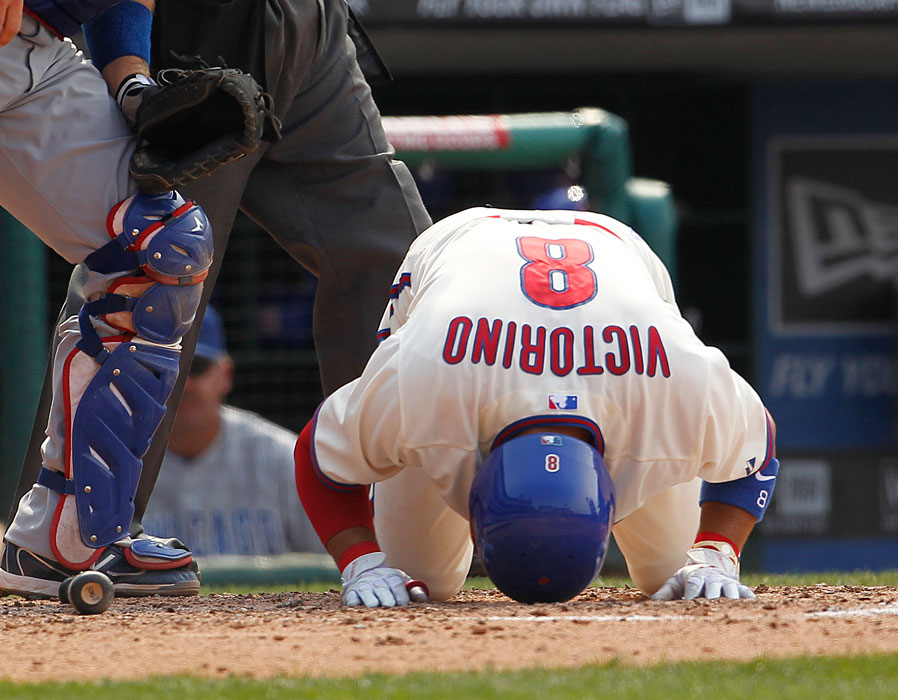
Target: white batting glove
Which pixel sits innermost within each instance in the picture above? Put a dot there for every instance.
(366, 581)
(707, 573)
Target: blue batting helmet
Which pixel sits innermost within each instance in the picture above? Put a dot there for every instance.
(542, 507)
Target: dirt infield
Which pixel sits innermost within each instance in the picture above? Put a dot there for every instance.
(308, 634)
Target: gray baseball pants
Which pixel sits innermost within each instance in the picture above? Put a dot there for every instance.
(64, 150)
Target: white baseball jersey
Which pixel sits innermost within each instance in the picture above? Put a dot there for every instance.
(500, 320)
(236, 497)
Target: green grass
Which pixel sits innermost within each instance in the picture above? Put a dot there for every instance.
(843, 678)
(307, 587)
(831, 578)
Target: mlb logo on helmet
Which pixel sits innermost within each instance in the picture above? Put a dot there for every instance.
(551, 460)
(563, 401)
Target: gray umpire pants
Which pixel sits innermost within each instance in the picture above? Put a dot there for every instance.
(329, 192)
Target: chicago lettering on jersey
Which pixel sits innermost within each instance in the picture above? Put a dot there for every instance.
(537, 349)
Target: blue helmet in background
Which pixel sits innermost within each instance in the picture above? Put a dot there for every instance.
(542, 507)
(572, 197)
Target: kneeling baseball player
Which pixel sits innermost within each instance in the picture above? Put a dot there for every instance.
(536, 388)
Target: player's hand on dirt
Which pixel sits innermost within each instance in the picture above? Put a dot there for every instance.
(706, 574)
(10, 20)
(366, 581)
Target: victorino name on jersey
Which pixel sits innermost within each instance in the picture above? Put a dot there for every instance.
(536, 349)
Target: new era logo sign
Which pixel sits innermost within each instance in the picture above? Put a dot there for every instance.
(562, 401)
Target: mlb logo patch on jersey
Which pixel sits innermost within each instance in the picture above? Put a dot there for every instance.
(563, 401)
(554, 440)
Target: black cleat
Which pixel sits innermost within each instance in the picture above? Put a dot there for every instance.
(31, 575)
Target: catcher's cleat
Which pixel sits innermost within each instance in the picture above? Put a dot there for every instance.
(31, 575)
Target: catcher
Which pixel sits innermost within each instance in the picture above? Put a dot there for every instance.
(102, 196)
(536, 387)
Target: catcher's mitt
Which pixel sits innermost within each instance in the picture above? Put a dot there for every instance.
(194, 121)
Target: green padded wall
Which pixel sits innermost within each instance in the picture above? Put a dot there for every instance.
(23, 345)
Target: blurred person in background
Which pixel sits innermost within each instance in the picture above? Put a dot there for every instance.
(227, 482)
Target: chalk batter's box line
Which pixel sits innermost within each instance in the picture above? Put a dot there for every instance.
(890, 609)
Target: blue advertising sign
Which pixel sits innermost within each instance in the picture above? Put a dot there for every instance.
(827, 276)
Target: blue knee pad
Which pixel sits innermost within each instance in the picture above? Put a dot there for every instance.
(168, 240)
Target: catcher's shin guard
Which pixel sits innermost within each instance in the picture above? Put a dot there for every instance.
(115, 387)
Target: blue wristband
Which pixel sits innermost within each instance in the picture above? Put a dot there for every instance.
(750, 493)
(123, 30)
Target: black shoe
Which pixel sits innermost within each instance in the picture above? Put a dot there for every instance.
(31, 575)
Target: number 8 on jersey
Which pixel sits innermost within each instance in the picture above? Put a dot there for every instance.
(556, 273)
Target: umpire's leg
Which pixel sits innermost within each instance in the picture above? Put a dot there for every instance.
(330, 191)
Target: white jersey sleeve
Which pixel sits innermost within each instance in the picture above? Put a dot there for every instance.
(737, 439)
(364, 432)
(424, 249)
(358, 431)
